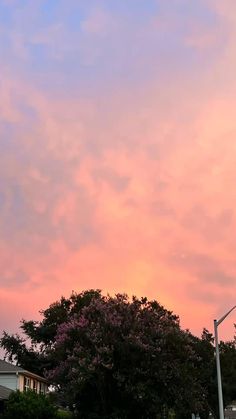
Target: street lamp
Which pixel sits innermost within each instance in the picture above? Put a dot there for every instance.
(219, 381)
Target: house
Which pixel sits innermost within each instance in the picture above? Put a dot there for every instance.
(230, 411)
(14, 378)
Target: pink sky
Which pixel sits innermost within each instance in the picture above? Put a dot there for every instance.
(118, 156)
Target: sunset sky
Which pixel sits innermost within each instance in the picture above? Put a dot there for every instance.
(118, 154)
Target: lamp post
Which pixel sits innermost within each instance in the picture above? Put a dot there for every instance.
(219, 381)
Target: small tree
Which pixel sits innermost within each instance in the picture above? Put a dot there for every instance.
(29, 405)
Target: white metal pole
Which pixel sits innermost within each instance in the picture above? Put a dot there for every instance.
(219, 381)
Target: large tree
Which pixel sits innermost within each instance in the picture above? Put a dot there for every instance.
(126, 358)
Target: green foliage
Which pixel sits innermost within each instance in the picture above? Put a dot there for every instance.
(228, 367)
(62, 414)
(29, 405)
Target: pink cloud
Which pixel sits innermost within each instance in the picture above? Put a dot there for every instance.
(132, 191)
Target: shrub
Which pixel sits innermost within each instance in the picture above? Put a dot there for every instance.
(29, 405)
(62, 414)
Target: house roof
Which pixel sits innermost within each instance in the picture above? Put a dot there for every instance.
(7, 368)
(4, 392)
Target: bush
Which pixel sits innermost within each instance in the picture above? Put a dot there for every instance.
(29, 405)
(62, 414)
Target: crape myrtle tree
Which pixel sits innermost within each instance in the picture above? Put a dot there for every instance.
(111, 357)
(126, 359)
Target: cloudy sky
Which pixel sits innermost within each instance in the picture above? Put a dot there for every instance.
(118, 154)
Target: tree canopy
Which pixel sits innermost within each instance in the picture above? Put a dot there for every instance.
(115, 357)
